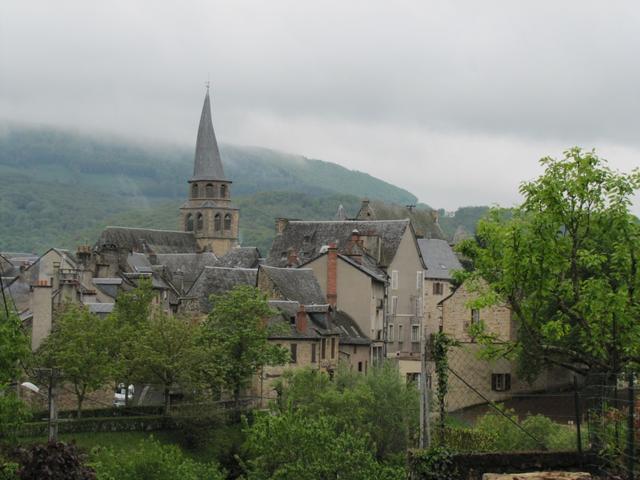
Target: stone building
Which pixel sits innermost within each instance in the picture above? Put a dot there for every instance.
(496, 380)
(382, 250)
(208, 212)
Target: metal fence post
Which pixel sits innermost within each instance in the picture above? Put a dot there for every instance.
(631, 433)
(576, 397)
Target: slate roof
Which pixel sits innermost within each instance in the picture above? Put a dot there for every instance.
(422, 219)
(108, 286)
(189, 265)
(439, 258)
(350, 333)
(241, 257)
(220, 280)
(139, 263)
(142, 239)
(207, 164)
(308, 238)
(295, 284)
(318, 325)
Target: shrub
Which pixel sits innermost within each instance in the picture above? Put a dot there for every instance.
(306, 447)
(539, 432)
(53, 461)
(435, 463)
(8, 470)
(151, 461)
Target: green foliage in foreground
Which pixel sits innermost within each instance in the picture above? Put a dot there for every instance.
(378, 407)
(151, 460)
(296, 445)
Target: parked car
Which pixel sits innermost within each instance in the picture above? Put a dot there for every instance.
(121, 393)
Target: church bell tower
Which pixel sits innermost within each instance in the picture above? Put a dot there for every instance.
(208, 212)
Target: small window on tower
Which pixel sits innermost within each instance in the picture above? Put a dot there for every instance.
(200, 221)
(194, 190)
(223, 191)
(227, 221)
(217, 222)
(189, 223)
(210, 190)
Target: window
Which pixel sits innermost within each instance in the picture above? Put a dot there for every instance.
(313, 353)
(189, 223)
(223, 191)
(294, 353)
(227, 221)
(390, 333)
(333, 347)
(210, 191)
(400, 337)
(359, 366)
(438, 288)
(394, 280)
(415, 333)
(194, 190)
(500, 382)
(419, 280)
(377, 355)
(394, 305)
(475, 316)
(200, 222)
(217, 222)
(323, 348)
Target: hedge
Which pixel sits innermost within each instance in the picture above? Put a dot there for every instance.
(105, 424)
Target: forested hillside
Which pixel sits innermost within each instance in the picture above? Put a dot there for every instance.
(60, 188)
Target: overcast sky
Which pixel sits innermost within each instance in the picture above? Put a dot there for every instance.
(453, 100)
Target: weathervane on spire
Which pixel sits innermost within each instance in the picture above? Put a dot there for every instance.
(207, 84)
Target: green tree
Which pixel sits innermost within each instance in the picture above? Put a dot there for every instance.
(379, 406)
(295, 445)
(14, 352)
(78, 346)
(129, 320)
(166, 352)
(236, 335)
(566, 262)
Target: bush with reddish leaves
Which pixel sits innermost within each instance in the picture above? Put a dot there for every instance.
(53, 461)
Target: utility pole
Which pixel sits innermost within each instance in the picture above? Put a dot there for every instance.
(53, 407)
(425, 417)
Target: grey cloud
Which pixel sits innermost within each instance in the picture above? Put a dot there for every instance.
(487, 87)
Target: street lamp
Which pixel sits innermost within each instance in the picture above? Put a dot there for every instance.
(51, 398)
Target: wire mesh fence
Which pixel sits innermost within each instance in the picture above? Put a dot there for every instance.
(489, 408)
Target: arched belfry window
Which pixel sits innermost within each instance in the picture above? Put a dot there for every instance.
(210, 190)
(217, 222)
(189, 223)
(200, 221)
(227, 222)
(223, 191)
(194, 190)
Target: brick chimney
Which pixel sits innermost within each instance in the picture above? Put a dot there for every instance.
(332, 275)
(301, 320)
(292, 258)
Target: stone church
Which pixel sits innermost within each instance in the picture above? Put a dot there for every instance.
(208, 212)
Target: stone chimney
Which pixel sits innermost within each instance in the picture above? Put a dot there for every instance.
(301, 320)
(332, 275)
(292, 258)
(281, 224)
